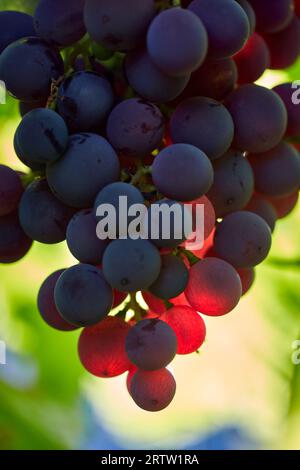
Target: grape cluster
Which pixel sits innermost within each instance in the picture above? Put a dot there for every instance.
(154, 101)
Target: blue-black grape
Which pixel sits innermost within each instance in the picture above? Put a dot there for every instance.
(111, 195)
(205, 123)
(135, 127)
(248, 9)
(247, 276)
(272, 18)
(151, 344)
(284, 205)
(172, 279)
(42, 136)
(243, 239)
(47, 307)
(152, 390)
(82, 296)
(26, 107)
(11, 190)
(233, 183)
(262, 207)
(14, 243)
(177, 41)
(165, 223)
(277, 172)
(284, 46)
(149, 82)
(182, 172)
(82, 239)
(28, 68)
(214, 79)
(286, 92)
(14, 25)
(259, 117)
(43, 217)
(39, 167)
(84, 101)
(89, 164)
(60, 22)
(253, 60)
(226, 23)
(117, 24)
(131, 265)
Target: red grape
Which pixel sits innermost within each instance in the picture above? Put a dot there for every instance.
(189, 328)
(214, 287)
(102, 348)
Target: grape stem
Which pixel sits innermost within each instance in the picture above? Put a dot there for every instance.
(192, 259)
(139, 312)
(133, 305)
(139, 176)
(28, 178)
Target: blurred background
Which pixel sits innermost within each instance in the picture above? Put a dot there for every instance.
(241, 392)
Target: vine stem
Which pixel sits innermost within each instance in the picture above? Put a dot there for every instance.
(28, 178)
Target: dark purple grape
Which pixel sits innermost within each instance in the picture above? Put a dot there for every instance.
(43, 217)
(60, 22)
(226, 23)
(262, 207)
(47, 307)
(277, 172)
(50, 136)
(28, 67)
(177, 41)
(135, 127)
(11, 190)
(84, 101)
(253, 60)
(14, 25)
(214, 79)
(14, 243)
(284, 46)
(89, 164)
(182, 172)
(172, 279)
(151, 344)
(82, 238)
(197, 121)
(82, 296)
(116, 24)
(259, 117)
(233, 183)
(131, 265)
(243, 239)
(149, 82)
(272, 18)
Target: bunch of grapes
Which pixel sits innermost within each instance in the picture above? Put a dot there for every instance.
(154, 101)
